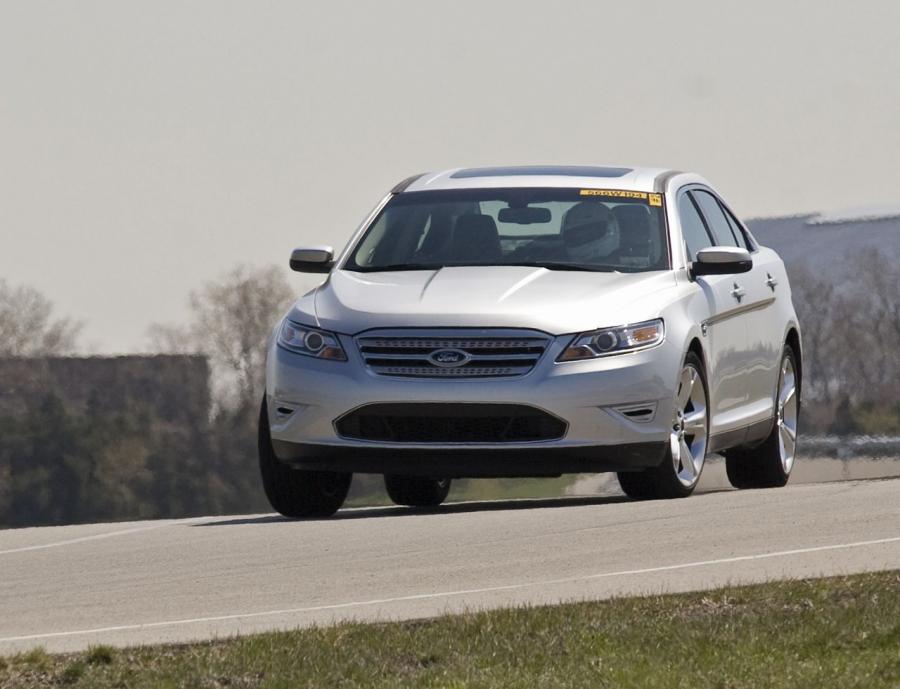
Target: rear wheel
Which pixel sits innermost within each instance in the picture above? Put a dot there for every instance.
(416, 491)
(769, 465)
(295, 493)
(679, 473)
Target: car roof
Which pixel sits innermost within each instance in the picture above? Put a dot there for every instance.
(571, 176)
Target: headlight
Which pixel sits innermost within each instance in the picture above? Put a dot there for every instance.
(614, 340)
(309, 341)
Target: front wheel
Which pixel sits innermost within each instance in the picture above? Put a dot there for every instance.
(769, 465)
(416, 491)
(295, 493)
(679, 472)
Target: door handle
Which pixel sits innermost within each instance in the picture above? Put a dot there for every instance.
(738, 292)
(771, 282)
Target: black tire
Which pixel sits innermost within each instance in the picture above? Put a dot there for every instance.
(295, 493)
(416, 491)
(662, 482)
(762, 466)
(638, 485)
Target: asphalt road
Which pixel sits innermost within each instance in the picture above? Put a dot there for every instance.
(65, 588)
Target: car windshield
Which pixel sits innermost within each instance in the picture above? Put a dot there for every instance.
(558, 229)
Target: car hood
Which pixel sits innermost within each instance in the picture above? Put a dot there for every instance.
(554, 301)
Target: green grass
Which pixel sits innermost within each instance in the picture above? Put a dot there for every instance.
(841, 632)
(475, 490)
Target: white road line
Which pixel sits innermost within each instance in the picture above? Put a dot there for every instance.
(447, 594)
(97, 537)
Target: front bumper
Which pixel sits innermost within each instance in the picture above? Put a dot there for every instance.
(306, 396)
(472, 462)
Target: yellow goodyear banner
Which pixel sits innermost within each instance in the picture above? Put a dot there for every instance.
(652, 199)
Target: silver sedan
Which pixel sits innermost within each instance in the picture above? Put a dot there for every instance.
(534, 321)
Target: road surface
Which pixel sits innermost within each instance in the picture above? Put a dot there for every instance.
(65, 588)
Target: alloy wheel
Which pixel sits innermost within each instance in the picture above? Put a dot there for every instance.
(689, 427)
(786, 414)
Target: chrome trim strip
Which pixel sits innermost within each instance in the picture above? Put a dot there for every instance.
(737, 311)
(437, 372)
(472, 357)
(449, 343)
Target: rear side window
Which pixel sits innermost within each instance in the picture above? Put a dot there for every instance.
(715, 218)
(692, 227)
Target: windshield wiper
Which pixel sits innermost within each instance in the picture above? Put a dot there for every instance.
(559, 265)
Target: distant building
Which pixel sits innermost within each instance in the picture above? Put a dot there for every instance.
(174, 388)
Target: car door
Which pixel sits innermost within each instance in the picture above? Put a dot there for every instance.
(726, 333)
(766, 283)
(758, 292)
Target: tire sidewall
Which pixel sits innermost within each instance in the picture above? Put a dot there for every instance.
(787, 352)
(667, 482)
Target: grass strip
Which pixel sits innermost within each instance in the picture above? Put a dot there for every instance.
(837, 632)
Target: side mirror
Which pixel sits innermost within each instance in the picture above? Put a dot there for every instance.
(315, 259)
(721, 260)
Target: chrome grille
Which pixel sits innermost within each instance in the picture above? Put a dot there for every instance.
(482, 355)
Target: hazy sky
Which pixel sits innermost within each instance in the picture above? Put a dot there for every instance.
(146, 147)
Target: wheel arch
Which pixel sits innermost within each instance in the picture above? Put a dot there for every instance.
(793, 340)
(696, 347)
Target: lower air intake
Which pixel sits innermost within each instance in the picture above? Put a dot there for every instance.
(450, 423)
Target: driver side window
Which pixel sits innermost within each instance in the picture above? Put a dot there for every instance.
(715, 217)
(693, 228)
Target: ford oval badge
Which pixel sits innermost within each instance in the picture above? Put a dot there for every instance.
(449, 358)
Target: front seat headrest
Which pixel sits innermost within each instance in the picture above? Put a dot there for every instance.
(475, 240)
(634, 229)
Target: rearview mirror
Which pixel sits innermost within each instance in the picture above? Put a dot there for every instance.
(314, 259)
(721, 260)
(526, 215)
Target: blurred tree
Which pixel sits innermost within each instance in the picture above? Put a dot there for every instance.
(873, 328)
(27, 325)
(232, 318)
(844, 423)
(851, 329)
(819, 309)
(60, 467)
(60, 464)
(231, 321)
